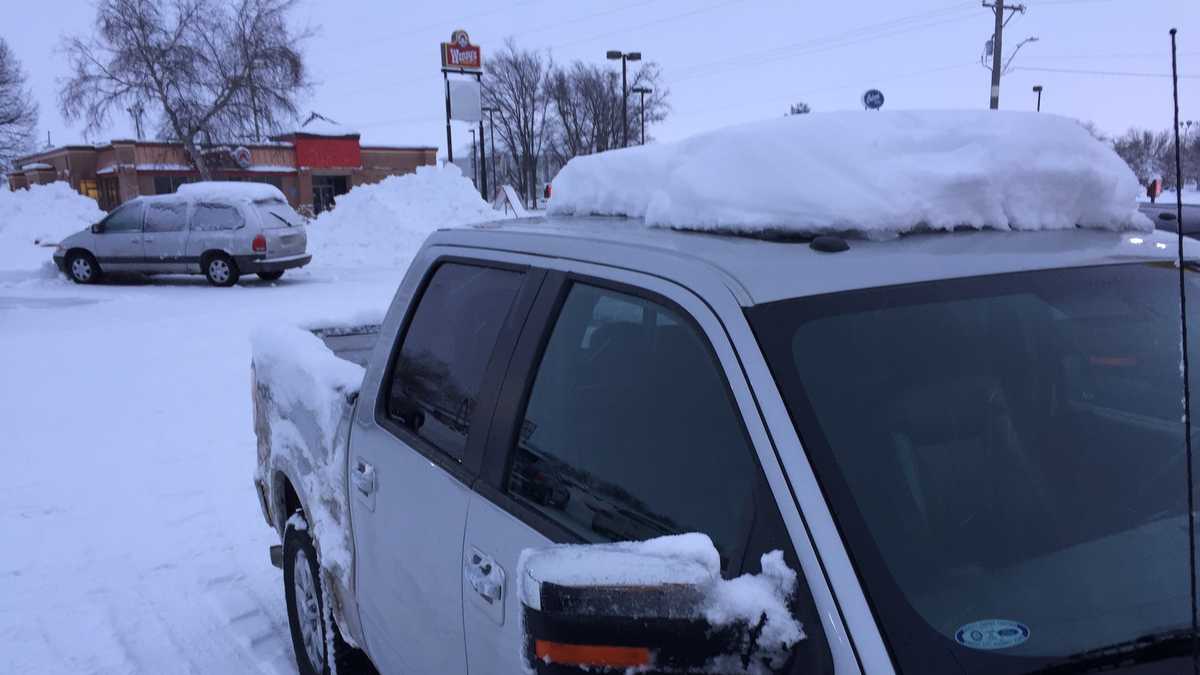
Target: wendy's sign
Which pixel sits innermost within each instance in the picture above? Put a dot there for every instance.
(459, 54)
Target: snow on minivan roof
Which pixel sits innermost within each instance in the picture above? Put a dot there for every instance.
(231, 190)
(872, 173)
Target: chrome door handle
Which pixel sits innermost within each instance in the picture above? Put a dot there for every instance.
(148, 239)
(363, 476)
(485, 576)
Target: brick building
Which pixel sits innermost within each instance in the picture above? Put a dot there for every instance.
(311, 165)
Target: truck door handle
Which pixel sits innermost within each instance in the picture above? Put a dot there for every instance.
(363, 476)
(485, 576)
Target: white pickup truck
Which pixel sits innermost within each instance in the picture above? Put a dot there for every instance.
(942, 453)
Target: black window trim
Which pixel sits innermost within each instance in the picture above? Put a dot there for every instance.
(481, 419)
(518, 385)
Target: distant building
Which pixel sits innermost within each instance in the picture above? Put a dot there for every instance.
(311, 165)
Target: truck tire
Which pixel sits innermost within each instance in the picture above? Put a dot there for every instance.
(306, 611)
(220, 269)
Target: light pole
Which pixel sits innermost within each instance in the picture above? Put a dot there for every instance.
(613, 55)
(474, 159)
(642, 91)
(492, 132)
(1037, 89)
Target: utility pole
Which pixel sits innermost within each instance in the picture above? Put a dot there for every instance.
(483, 177)
(998, 8)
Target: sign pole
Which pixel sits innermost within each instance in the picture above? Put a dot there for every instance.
(483, 177)
(449, 138)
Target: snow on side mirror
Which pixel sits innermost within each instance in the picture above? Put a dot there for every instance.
(658, 605)
(97, 228)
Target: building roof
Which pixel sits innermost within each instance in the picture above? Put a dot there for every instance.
(760, 271)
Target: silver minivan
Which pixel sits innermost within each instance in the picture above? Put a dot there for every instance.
(220, 230)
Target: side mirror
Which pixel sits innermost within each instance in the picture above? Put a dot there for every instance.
(658, 605)
(97, 228)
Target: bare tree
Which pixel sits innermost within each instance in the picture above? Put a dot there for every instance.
(18, 111)
(800, 108)
(211, 70)
(1148, 154)
(587, 107)
(515, 83)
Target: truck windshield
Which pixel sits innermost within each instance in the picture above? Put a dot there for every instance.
(1004, 457)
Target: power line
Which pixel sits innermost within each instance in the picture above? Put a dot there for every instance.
(646, 24)
(1080, 71)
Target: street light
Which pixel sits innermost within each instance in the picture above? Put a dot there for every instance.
(613, 55)
(643, 91)
(1037, 89)
(492, 133)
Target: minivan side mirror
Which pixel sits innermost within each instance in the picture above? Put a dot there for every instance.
(658, 605)
(97, 228)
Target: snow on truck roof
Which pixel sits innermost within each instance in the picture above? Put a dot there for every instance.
(874, 174)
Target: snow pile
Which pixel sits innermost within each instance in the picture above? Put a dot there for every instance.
(383, 224)
(43, 214)
(230, 190)
(685, 559)
(306, 383)
(878, 173)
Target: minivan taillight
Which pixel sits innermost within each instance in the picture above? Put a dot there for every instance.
(259, 244)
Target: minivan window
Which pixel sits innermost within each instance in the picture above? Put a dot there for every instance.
(1005, 458)
(275, 213)
(630, 431)
(127, 218)
(166, 217)
(212, 217)
(436, 376)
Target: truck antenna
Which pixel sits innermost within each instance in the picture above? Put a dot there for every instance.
(1187, 390)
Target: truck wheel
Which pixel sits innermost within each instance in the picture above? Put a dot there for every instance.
(82, 268)
(306, 611)
(221, 270)
(270, 276)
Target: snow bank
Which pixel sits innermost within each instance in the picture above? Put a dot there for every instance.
(309, 385)
(219, 189)
(688, 559)
(878, 173)
(383, 224)
(43, 214)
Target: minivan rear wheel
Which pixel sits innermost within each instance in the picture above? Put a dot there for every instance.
(82, 267)
(220, 270)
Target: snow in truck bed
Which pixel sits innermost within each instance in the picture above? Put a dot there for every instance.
(876, 173)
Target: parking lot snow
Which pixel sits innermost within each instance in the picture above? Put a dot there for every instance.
(133, 538)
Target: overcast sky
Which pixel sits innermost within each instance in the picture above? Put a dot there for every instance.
(375, 62)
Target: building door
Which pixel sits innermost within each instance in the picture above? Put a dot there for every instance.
(325, 189)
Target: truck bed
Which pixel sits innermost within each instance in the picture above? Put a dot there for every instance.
(353, 343)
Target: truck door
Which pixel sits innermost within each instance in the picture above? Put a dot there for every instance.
(414, 453)
(618, 422)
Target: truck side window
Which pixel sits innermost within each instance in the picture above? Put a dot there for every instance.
(436, 376)
(630, 431)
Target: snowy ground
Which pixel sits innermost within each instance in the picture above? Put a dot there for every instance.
(132, 539)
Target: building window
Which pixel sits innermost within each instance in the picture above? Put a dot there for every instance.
(110, 196)
(88, 188)
(167, 185)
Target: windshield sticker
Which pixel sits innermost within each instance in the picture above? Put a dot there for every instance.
(992, 634)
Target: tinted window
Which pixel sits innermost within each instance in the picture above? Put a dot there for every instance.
(208, 217)
(437, 374)
(170, 217)
(1002, 448)
(128, 218)
(630, 432)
